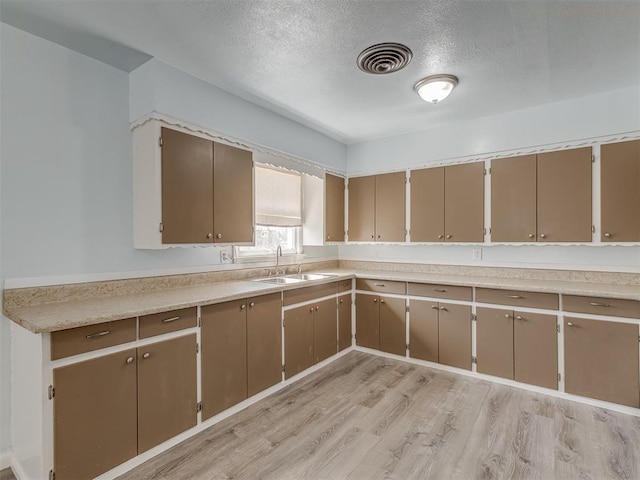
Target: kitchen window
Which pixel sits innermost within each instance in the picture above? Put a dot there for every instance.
(278, 205)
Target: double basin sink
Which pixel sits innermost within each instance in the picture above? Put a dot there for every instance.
(295, 278)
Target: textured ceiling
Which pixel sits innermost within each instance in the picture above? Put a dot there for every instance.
(298, 57)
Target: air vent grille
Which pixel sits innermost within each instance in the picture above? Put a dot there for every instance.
(384, 58)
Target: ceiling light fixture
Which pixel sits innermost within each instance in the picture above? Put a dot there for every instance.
(435, 88)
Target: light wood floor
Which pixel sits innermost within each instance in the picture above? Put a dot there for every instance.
(366, 417)
(7, 474)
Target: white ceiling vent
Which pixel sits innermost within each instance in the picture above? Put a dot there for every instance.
(384, 58)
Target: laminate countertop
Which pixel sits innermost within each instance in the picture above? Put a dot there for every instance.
(49, 317)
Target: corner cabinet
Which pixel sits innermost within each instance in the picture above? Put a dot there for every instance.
(189, 189)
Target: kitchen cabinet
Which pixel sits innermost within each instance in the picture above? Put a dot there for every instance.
(377, 208)
(447, 204)
(620, 191)
(454, 335)
(298, 339)
(544, 197)
(264, 342)
(325, 330)
(189, 189)
(601, 360)
(344, 322)
(223, 356)
(564, 196)
(380, 323)
(167, 390)
(517, 345)
(95, 415)
(423, 330)
(334, 208)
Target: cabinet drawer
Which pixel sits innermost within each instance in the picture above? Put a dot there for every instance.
(345, 285)
(450, 292)
(382, 286)
(165, 322)
(305, 294)
(65, 343)
(517, 298)
(601, 306)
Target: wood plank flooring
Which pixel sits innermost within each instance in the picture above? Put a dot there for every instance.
(365, 417)
(7, 474)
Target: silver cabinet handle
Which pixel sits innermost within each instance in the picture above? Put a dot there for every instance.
(531, 235)
(569, 324)
(607, 235)
(375, 300)
(515, 296)
(542, 235)
(378, 284)
(598, 304)
(209, 235)
(440, 237)
(518, 317)
(441, 290)
(129, 359)
(311, 309)
(435, 307)
(443, 309)
(219, 235)
(328, 237)
(169, 320)
(317, 307)
(146, 355)
(342, 300)
(252, 304)
(506, 315)
(448, 236)
(382, 300)
(99, 334)
(243, 306)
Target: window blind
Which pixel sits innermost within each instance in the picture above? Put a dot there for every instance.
(278, 197)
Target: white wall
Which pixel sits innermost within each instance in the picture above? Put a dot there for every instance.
(610, 113)
(5, 353)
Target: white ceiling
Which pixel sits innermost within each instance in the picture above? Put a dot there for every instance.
(299, 57)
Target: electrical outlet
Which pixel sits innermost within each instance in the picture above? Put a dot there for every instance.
(225, 256)
(477, 254)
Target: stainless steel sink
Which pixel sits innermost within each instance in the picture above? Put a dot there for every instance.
(310, 276)
(279, 280)
(295, 278)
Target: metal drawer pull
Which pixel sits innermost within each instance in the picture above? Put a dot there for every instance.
(531, 235)
(252, 304)
(169, 320)
(506, 315)
(375, 300)
(99, 334)
(378, 285)
(435, 307)
(441, 236)
(448, 236)
(443, 309)
(146, 355)
(597, 304)
(342, 300)
(381, 300)
(129, 360)
(441, 290)
(542, 235)
(243, 306)
(607, 235)
(219, 235)
(569, 324)
(311, 309)
(317, 308)
(515, 296)
(518, 317)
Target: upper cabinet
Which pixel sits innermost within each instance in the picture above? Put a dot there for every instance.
(377, 208)
(322, 209)
(447, 204)
(334, 208)
(189, 190)
(620, 191)
(543, 198)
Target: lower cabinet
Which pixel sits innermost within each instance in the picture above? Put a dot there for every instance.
(440, 332)
(380, 323)
(344, 322)
(109, 409)
(517, 345)
(325, 330)
(601, 360)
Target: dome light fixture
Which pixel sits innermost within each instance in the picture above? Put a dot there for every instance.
(435, 88)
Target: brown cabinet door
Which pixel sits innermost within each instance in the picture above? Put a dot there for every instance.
(94, 415)
(513, 199)
(454, 335)
(167, 390)
(464, 202)
(564, 196)
(535, 349)
(601, 360)
(620, 191)
(334, 208)
(187, 188)
(223, 356)
(232, 194)
(367, 321)
(390, 207)
(325, 330)
(494, 342)
(427, 205)
(362, 197)
(344, 322)
(393, 331)
(264, 342)
(298, 339)
(423, 330)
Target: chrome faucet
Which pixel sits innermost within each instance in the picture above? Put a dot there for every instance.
(278, 254)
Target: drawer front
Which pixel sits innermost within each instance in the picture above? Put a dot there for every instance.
(73, 341)
(601, 306)
(382, 286)
(165, 322)
(345, 285)
(450, 292)
(305, 294)
(517, 298)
